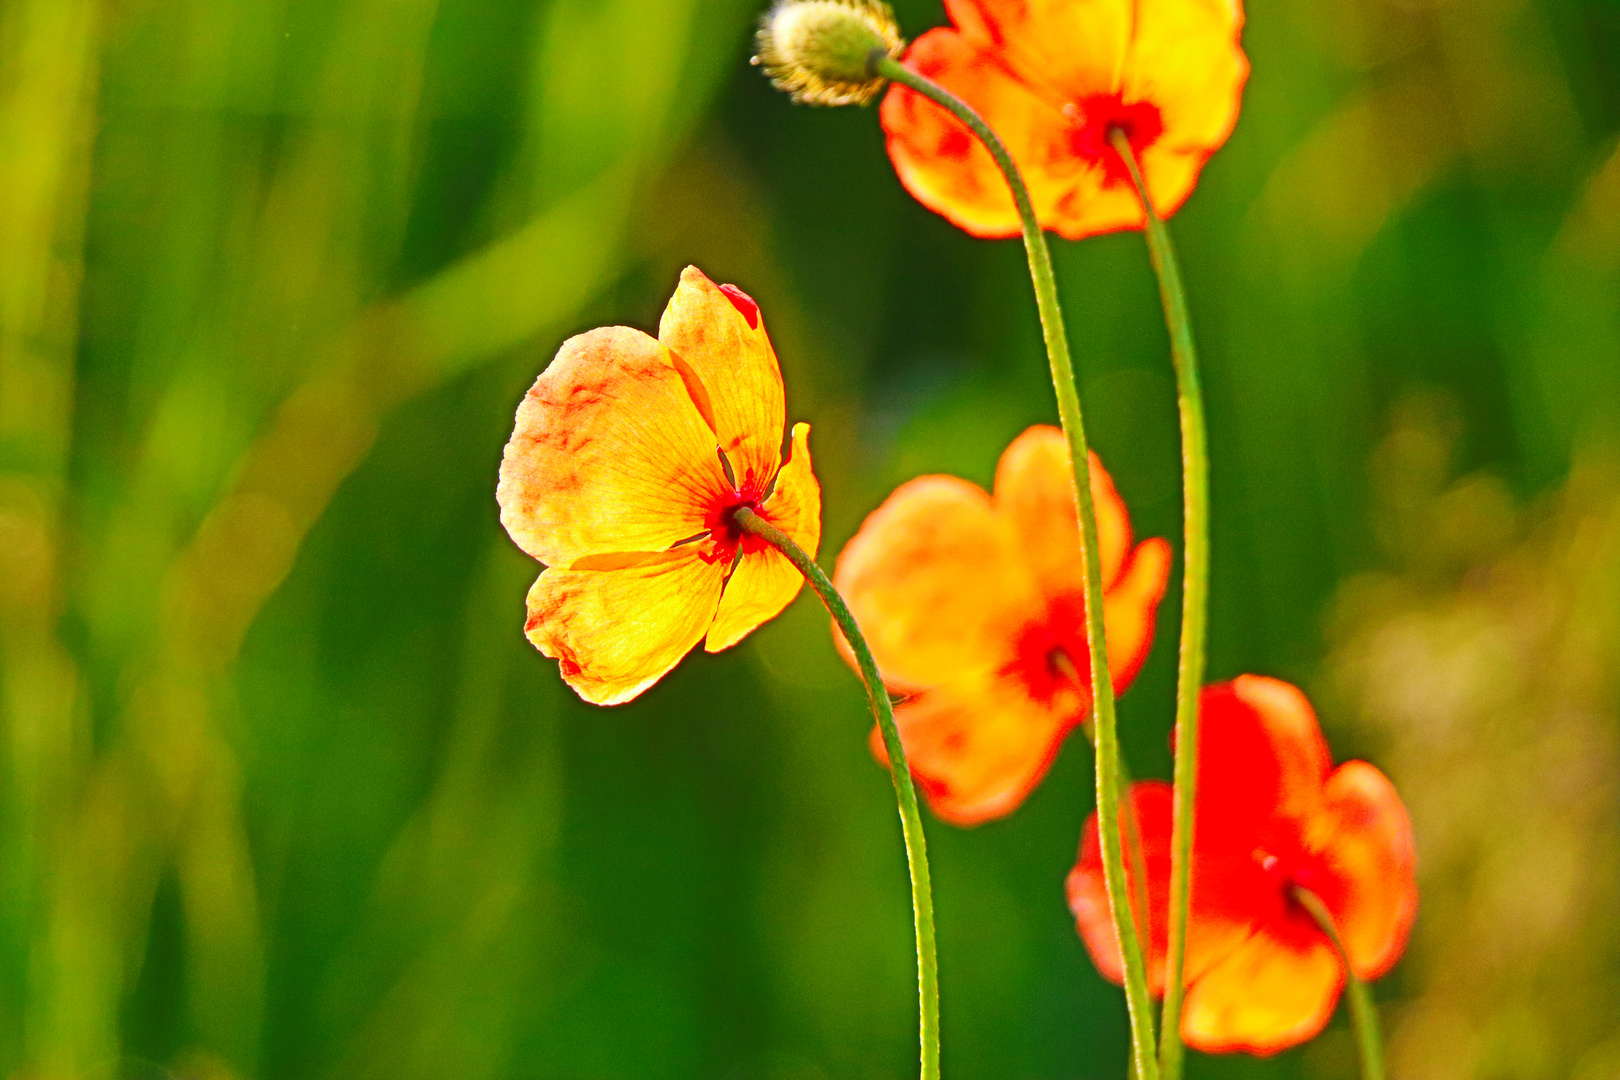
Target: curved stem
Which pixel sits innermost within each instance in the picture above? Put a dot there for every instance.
(922, 898)
(1102, 687)
(1194, 602)
(1363, 1013)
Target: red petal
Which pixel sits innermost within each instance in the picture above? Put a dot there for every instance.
(743, 303)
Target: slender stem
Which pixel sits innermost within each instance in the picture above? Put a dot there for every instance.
(1194, 603)
(1102, 686)
(1363, 1013)
(922, 898)
(1138, 879)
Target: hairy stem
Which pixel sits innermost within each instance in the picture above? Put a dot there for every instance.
(922, 898)
(1363, 1013)
(1194, 602)
(1102, 687)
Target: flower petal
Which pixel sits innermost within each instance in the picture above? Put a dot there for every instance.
(1292, 735)
(1035, 491)
(944, 165)
(977, 746)
(1365, 840)
(1264, 997)
(1261, 759)
(1076, 46)
(764, 581)
(1088, 891)
(1186, 59)
(1131, 607)
(732, 372)
(608, 453)
(1212, 935)
(616, 626)
(934, 581)
(1053, 77)
(1035, 488)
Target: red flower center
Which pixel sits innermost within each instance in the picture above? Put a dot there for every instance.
(1051, 657)
(1093, 120)
(725, 535)
(1285, 866)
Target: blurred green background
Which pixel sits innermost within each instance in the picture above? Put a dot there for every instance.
(285, 793)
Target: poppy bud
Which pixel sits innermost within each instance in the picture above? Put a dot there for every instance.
(825, 52)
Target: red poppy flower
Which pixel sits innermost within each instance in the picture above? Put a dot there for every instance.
(972, 606)
(1272, 813)
(628, 456)
(1052, 77)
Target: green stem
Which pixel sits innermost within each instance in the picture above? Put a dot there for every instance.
(1194, 603)
(1363, 1013)
(1133, 843)
(922, 899)
(1102, 687)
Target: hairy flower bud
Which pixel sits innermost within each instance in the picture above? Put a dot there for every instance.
(824, 52)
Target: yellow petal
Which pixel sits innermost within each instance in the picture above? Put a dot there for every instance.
(616, 631)
(1074, 47)
(1265, 996)
(764, 581)
(736, 383)
(608, 454)
(1186, 59)
(934, 580)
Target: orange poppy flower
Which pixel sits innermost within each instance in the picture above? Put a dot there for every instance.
(972, 606)
(1052, 77)
(1272, 813)
(628, 456)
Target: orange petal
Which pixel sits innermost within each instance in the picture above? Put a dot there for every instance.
(1130, 609)
(934, 581)
(1185, 58)
(1035, 488)
(976, 746)
(1075, 47)
(1088, 891)
(616, 630)
(1035, 491)
(719, 338)
(608, 454)
(944, 165)
(1366, 843)
(1262, 998)
(764, 581)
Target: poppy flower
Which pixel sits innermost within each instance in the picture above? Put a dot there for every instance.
(1053, 78)
(1272, 814)
(973, 608)
(629, 456)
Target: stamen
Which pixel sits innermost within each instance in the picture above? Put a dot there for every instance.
(694, 538)
(1062, 664)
